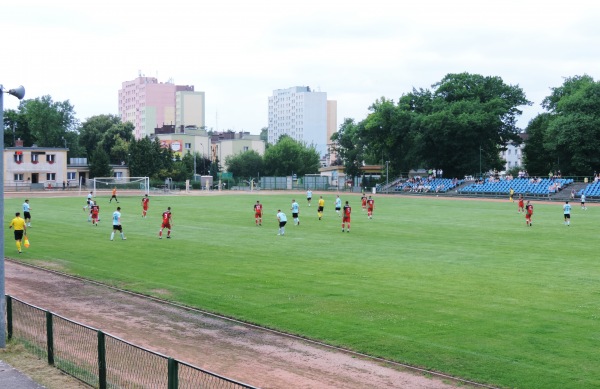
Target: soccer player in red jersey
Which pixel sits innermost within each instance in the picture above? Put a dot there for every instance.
(95, 212)
(528, 213)
(363, 200)
(346, 219)
(370, 206)
(145, 203)
(258, 213)
(521, 204)
(167, 222)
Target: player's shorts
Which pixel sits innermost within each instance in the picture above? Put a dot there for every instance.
(26, 215)
(370, 209)
(94, 215)
(320, 209)
(309, 198)
(567, 215)
(88, 202)
(145, 207)
(338, 208)
(583, 202)
(521, 204)
(346, 219)
(364, 203)
(166, 225)
(118, 228)
(281, 224)
(295, 215)
(18, 234)
(258, 214)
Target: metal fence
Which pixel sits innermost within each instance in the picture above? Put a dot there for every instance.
(99, 359)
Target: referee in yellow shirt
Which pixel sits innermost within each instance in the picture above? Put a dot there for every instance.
(18, 223)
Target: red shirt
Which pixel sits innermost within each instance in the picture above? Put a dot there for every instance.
(371, 203)
(258, 209)
(145, 202)
(347, 211)
(166, 216)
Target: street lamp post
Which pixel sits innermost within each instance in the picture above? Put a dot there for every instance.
(19, 93)
(386, 176)
(202, 157)
(480, 162)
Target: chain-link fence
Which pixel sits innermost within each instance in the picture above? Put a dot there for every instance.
(102, 360)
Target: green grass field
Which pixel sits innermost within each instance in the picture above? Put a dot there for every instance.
(461, 287)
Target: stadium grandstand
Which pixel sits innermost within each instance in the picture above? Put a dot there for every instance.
(525, 186)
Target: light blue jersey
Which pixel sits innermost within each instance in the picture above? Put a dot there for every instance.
(295, 207)
(338, 203)
(116, 218)
(567, 209)
(281, 216)
(25, 207)
(309, 194)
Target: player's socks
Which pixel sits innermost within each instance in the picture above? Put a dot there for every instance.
(18, 246)
(112, 235)
(122, 236)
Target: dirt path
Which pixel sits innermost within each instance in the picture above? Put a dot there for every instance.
(254, 356)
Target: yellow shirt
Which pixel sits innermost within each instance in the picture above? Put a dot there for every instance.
(18, 223)
(321, 203)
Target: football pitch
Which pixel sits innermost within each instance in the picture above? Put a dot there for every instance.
(457, 286)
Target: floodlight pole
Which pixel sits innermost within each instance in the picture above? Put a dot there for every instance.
(18, 93)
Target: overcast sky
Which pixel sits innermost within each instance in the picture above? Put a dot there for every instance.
(238, 52)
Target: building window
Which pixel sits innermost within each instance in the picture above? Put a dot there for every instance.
(118, 175)
(50, 158)
(35, 158)
(188, 146)
(246, 148)
(18, 156)
(50, 176)
(71, 175)
(18, 176)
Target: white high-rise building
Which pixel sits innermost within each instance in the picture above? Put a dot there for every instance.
(300, 113)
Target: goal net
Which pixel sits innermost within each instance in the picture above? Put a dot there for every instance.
(125, 185)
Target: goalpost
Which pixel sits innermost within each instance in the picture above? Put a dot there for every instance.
(125, 185)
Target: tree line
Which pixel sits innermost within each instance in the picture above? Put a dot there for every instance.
(461, 125)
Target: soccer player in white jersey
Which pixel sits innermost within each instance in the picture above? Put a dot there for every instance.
(308, 196)
(567, 213)
(89, 198)
(295, 212)
(117, 224)
(338, 205)
(27, 213)
(282, 219)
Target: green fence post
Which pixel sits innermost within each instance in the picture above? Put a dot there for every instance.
(101, 360)
(9, 318)
(49, 338)
(173, 374)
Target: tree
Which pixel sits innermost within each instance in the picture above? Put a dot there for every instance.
(289, 157)
(463, 117)
(48, 122)
(246, 164)
(349, 147)
(470, 114)
(573, 131)
(93, 129)
(535, 159)
(100, 164)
